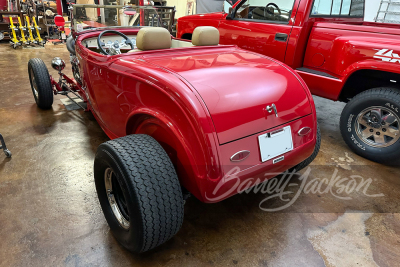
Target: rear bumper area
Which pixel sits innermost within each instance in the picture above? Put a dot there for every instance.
(251, 171)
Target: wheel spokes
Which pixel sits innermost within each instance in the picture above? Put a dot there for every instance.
(378, 126)
(389, 119)
(363, 120)
(366, 133)
(391, 132)
(380, 139)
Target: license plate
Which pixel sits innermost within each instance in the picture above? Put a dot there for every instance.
(275, 143)
(63, 36)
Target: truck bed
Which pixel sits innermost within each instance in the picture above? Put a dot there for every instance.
(373, 27)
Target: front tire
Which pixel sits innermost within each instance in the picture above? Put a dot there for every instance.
(40, 83)
(139, 191)
(370, 125)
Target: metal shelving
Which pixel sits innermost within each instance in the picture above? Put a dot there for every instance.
(388, 12)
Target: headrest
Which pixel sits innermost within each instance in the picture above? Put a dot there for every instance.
(153, 38)
(205, 35)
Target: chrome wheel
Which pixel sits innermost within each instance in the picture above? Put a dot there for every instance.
(116, 198)
(34, 86)
(378, 126)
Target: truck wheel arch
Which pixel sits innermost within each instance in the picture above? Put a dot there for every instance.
(364, 79)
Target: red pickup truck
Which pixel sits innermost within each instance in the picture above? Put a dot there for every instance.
(339, 56)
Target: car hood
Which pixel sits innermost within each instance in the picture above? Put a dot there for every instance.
(237, 86)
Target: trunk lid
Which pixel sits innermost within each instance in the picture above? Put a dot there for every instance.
(237, 86)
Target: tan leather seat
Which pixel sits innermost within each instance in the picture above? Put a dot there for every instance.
(152, 38)
(205, 35)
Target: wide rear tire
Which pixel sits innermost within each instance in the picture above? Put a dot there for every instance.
(310, 159)
(139, 191)
(40, 83)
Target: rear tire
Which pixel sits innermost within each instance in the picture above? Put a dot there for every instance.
(143, 188)
(310, 159)
(370, 125)
(40, 83)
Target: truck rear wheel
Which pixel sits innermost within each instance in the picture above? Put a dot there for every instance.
(40, 83)
(139, 191)
(370, 125)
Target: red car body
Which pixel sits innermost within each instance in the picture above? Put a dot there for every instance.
(202, 104)
(331, 53)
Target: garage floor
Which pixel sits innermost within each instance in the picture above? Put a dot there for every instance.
(50, 215)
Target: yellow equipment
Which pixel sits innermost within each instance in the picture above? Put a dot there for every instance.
(14, 39)
(38, 39)
(30, 35)
(22, 29)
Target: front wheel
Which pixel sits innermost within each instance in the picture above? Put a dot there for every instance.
(139, 191)
(370, 125)
(40, 83)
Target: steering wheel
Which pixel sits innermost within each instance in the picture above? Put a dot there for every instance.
(274, 6)
(113, 48)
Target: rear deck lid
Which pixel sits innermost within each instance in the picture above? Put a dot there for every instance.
(237, 87)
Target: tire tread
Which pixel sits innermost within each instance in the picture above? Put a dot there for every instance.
(157, 187)
(310, 159)
(391, 94)
(42, 78)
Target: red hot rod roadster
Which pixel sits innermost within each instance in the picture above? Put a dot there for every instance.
(181, 115)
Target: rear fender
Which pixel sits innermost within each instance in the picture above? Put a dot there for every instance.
(184, 132)
(353, 53)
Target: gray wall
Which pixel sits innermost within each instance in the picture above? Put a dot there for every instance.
(208, 6)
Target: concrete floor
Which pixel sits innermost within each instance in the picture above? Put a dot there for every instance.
(50, 215)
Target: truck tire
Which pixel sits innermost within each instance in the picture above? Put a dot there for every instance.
(139, 191)
(310, 159)
(370, 125)
(40, 83)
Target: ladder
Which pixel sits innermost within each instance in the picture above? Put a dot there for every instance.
(388, 12)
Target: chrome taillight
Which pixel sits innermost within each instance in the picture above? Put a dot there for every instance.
(303, 131)
(239, 156)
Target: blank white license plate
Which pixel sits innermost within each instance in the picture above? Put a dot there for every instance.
(275, 143)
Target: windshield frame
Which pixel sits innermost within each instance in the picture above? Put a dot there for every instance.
(73, 9)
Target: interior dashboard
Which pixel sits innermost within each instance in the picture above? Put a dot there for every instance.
(91, 43)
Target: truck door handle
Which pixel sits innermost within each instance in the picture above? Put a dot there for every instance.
(281, 37)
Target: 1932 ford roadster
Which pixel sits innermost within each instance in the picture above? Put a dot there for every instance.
(181, 116)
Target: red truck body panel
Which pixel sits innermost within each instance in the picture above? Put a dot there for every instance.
(325, 51)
